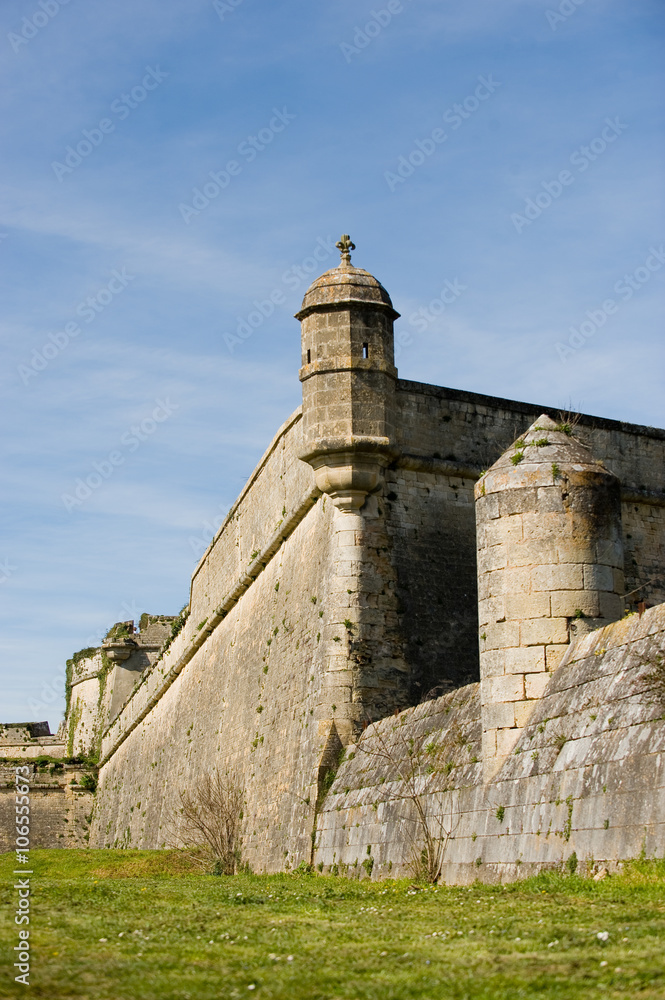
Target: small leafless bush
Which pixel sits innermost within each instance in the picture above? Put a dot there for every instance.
(428, 830)
(208, 821)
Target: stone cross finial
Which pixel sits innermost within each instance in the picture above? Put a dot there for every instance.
(345, 246)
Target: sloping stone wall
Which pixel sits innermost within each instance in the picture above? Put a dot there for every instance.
(245, 700)
(587, 776)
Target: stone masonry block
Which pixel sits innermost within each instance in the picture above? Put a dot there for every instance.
(346, 538)
(485, 586)
(506, 740)
(536, 684)
(598, 578)
(336, 663)
(490, 610)
(489, 744)
(339, 694)
(501, 635)
(348, 552)
(530, 552)
(488, 507)
(549, 499)
(520, 606)
(611, 606)
(562, 577)
(492, 662)
(539, 525)
(528, 660)
(554, 655)
(513, 581)
(507, 688)
(543, 630)
(493, 557)
(573, 551)
(504, 530)
(566, 602)
(501, 716)
(517, 501)
(609, 552)
(523, 710)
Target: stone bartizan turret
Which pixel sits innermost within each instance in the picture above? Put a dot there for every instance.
(550, 567)
(348, 376)
(348, 413)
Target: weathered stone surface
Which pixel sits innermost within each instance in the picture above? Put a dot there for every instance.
(570, 784)
(60, 807)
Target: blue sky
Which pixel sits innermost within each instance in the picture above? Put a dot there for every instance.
(121, 305)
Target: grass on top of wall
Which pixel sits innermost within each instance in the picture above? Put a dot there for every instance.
(140, 925)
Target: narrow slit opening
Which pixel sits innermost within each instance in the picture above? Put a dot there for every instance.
(309, 357)
(365, 350)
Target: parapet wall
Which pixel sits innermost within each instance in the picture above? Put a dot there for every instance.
(586, 778)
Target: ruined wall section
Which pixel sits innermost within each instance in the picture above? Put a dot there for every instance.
(59, 807)
(587, 776)
(26, 741)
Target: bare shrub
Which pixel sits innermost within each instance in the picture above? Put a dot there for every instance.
(208, 821)
(427, 830)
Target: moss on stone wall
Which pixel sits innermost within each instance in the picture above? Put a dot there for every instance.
(83, 654)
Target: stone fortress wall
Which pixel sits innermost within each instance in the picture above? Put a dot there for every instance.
(342, 588)
(586, 777)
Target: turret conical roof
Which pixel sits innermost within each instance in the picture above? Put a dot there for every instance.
(546, 451)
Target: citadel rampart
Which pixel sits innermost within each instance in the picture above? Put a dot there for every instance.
(343, 588)
(586, 777)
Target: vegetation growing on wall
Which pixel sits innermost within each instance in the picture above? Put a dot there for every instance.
(83, 654)
(176, 627)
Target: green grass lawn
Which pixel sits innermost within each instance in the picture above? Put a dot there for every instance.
(120, 925)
